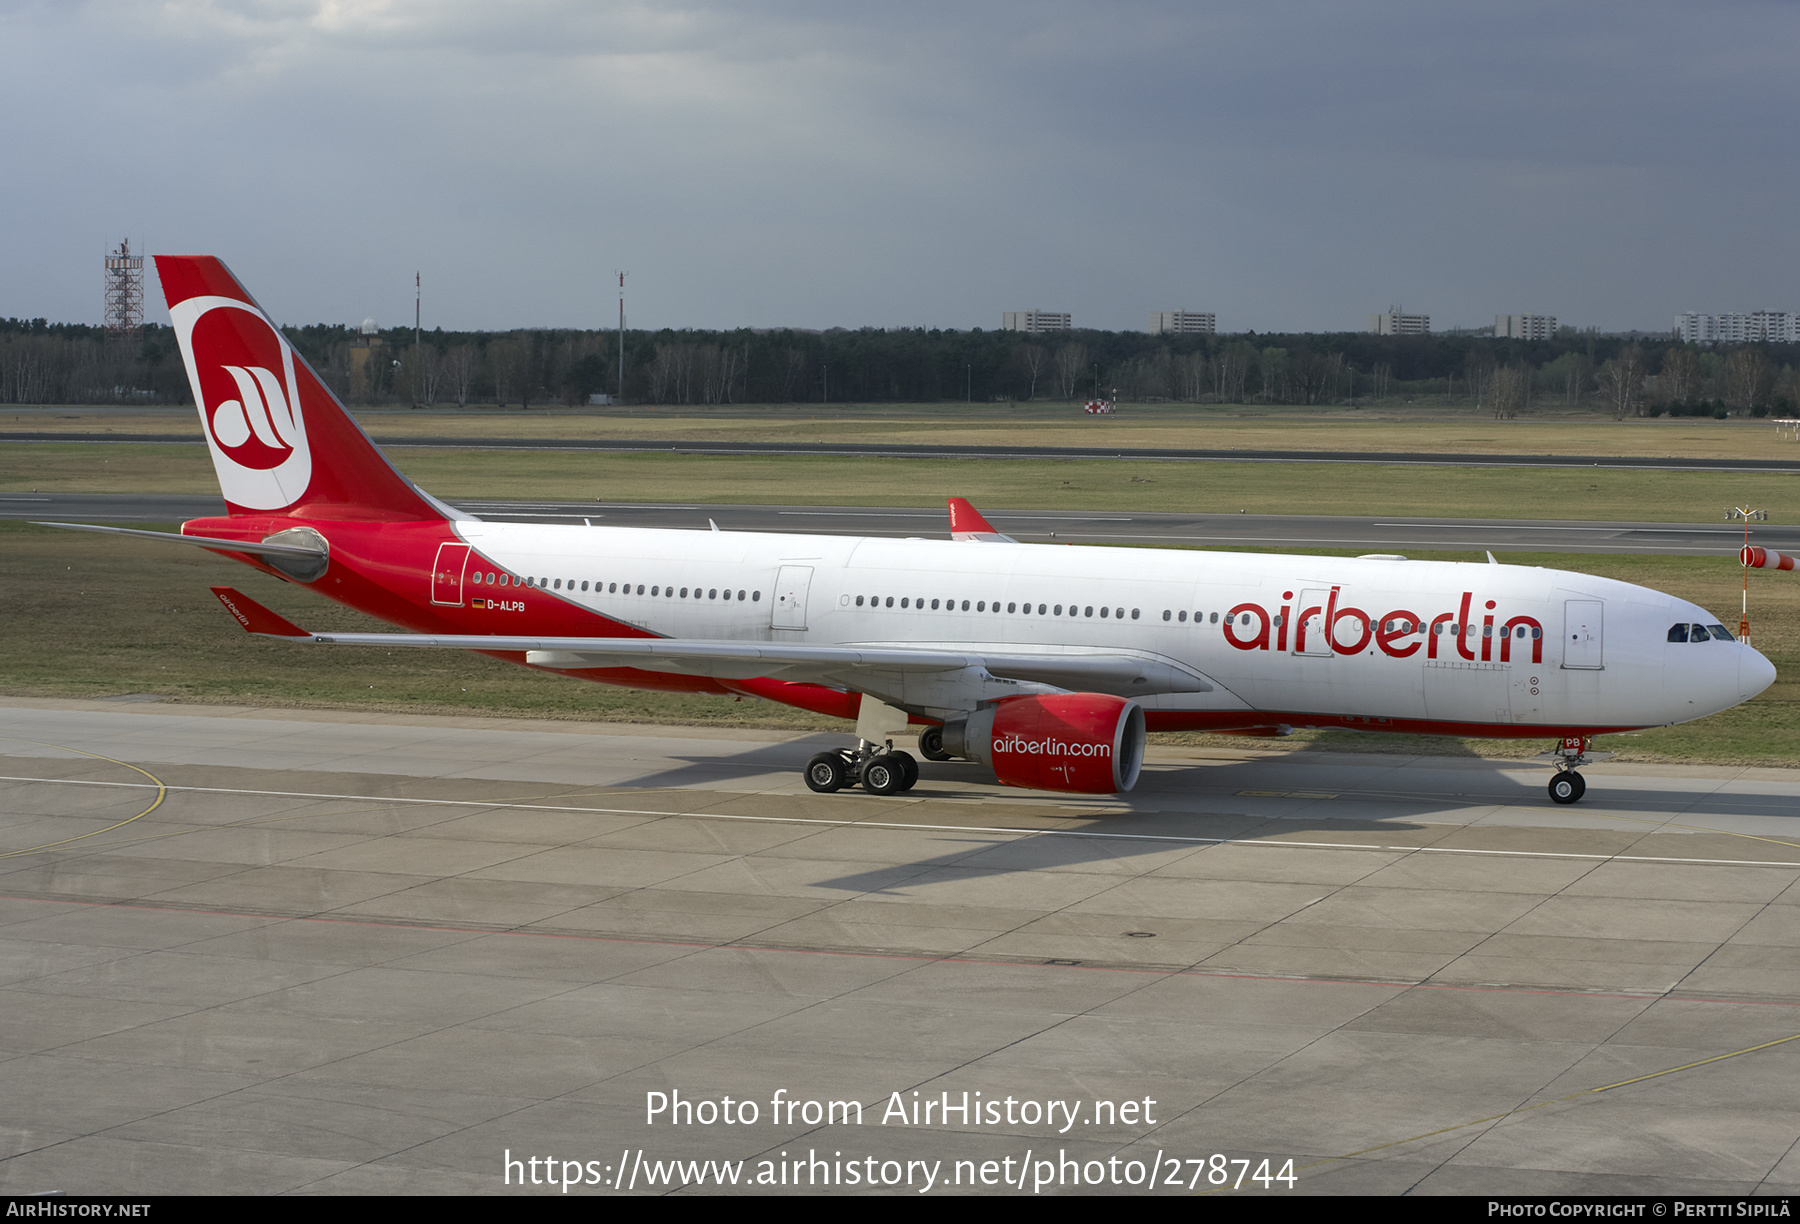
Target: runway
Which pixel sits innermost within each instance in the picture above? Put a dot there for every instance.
(264, 951)
(1289, 531)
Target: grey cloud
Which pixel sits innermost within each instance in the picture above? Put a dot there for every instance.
(1289, 166)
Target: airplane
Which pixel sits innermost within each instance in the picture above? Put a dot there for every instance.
(1047, 664)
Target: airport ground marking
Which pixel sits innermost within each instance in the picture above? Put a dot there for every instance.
(162, 792)
(1671, 824)
(1010, 830)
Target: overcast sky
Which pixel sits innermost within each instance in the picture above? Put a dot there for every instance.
(1290, 166)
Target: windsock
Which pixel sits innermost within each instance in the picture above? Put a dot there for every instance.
(1757, 557)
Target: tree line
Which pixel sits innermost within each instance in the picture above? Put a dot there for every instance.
(74, 363)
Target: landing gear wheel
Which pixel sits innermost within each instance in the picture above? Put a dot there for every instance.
(1567, 787)
(884, 775)
(825, 773)
(911, 769)
(931, 744)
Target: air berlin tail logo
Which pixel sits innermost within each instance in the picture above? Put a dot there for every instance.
(249, 399)
(261, 411)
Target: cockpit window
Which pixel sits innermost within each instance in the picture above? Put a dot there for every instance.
(1700, 633)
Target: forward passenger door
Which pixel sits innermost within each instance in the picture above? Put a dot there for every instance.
(1581, 634)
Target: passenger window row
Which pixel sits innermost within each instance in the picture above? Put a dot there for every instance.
(614, 588)
(1387, 626)
(1458, 630)
(982, 605)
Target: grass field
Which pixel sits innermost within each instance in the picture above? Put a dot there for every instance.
(1398, 428)
(1072, 484)
(89, 616)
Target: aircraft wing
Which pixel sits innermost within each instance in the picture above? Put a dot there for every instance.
(882, 668)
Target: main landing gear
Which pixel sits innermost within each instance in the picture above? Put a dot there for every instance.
(1568, 786)
(876, 766)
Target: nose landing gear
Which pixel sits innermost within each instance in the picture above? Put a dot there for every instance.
(1568, 786)
(879, 769)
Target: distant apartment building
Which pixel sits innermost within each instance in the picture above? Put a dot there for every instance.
(1777, 326)
(1035, 321)
(1393, 323)
(1183, 323)
(1524, 327)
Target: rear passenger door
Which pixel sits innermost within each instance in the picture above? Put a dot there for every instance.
(447, 574)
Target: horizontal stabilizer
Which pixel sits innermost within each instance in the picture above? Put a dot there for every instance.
(256, 618)
(258, 548)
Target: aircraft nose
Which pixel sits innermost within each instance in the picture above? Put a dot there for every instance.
(1755, 673)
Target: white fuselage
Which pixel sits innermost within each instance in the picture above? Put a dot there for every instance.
(1460, 646)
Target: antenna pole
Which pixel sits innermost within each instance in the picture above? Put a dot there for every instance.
(1746, 513)
(124, 296)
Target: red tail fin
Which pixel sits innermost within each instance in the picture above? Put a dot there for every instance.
(280, 441)
(966, 523)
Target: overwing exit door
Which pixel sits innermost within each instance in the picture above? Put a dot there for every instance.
(788, 610)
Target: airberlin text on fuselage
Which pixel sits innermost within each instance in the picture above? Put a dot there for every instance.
(1399, 633)
(1046, 747)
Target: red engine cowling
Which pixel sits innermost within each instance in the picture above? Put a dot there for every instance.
(1087, 743)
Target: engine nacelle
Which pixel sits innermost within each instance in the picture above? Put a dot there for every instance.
(1086, 743)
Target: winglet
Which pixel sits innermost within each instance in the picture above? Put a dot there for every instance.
(966, 523)
(256, 618)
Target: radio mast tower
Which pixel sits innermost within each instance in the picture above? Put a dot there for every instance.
(124, 295)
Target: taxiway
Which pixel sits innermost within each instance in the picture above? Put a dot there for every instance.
(262, 951)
